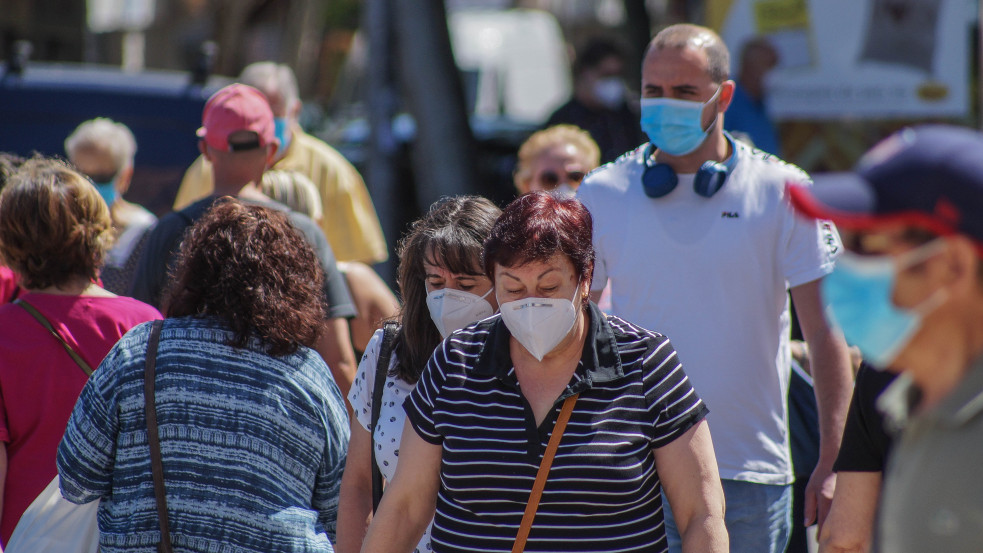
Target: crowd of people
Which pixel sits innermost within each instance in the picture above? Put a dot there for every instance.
(602, 365)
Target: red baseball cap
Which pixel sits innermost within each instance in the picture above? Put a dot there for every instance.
(237, 107)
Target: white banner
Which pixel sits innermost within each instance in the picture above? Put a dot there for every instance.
(873, 59)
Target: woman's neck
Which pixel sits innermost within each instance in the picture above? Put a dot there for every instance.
(75, 287)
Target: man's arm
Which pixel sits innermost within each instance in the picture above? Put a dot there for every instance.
(829, 360)
(335, 347)
(849, 527)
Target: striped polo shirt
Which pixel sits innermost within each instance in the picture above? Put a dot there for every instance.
(603, 491)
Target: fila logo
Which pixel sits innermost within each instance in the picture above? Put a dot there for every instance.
(729, 214)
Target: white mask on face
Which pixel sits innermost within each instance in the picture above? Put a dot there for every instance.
(610, 92)
(540, 324)
(453, 309)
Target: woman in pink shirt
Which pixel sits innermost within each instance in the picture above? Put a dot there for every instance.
(54, 233)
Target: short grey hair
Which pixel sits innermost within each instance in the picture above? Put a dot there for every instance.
(685, 35)
(267, 77)
(104, 133)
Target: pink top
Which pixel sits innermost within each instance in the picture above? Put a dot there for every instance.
(8, 284)
(40, 383)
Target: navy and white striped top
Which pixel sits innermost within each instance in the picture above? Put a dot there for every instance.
(603, 491)
(253, 446)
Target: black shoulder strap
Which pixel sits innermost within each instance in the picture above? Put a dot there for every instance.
(389, 329)
(44, 322)
(156, 463)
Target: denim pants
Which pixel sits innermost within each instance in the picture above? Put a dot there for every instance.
(759, 517)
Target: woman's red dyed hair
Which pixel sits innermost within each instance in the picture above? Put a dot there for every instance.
(538, 226)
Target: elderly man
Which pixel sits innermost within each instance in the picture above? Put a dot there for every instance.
(695, 235)
(103, 150)
(350, 221)
(909, 294)
(237, 137)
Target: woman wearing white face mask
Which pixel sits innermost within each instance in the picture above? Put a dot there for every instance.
(551, 391)
(443, 289)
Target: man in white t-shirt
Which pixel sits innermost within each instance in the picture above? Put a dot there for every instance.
(698, 240)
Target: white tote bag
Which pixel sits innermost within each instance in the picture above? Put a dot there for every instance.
(53, 524)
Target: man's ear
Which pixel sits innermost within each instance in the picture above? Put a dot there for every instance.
(295, 110)
(271, 150)
(124, 179)
(726, 95)
(203, 148)
(963, 264)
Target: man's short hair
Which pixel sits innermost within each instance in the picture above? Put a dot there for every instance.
(269, 77)
(685, 35)
(104, 134)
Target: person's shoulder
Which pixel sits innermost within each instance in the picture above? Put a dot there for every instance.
(131, 309)
(616, 174)
(628, 334)
(763, 165)
(318, 148)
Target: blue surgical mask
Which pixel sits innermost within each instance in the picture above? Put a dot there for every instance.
(676, 126)
(108, 191)
(281, 127)
(858, 298)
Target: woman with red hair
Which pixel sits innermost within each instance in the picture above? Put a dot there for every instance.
(481, 418)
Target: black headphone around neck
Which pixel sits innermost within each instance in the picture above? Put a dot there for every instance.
(659, 179)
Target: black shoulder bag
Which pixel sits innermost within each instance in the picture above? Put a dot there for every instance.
(389, 330)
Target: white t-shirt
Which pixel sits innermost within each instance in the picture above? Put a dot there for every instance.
(712, 274)
(389, 430)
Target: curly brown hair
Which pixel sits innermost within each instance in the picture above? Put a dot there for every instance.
(249, 267)
(54, 225)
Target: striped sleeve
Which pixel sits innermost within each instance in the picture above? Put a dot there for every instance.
(419, 406)
(673, 404)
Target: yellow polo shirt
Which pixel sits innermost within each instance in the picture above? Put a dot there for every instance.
(349, 222)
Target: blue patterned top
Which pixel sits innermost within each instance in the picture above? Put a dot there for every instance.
(253, 446)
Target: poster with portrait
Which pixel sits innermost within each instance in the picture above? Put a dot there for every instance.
(860, 59)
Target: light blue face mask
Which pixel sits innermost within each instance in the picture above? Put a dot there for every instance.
(858, 298)
(108, 191)
(281, 127)
(675, 126)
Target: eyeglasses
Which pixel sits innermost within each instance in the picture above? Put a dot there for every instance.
(552, 179)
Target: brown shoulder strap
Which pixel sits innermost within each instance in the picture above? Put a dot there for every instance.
(156, 464)
(544, 469)
(44, 322)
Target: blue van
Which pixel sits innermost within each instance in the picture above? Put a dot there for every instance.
(41, 104)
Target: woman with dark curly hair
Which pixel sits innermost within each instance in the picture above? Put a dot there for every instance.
(252, 426)
(54, 233)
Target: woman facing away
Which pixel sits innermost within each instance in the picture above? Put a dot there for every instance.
(485, 406)
(252, 426)
(444, 288)
(55, 231)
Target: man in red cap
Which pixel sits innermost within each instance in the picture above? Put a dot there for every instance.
(909, 293)
(237, 136)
